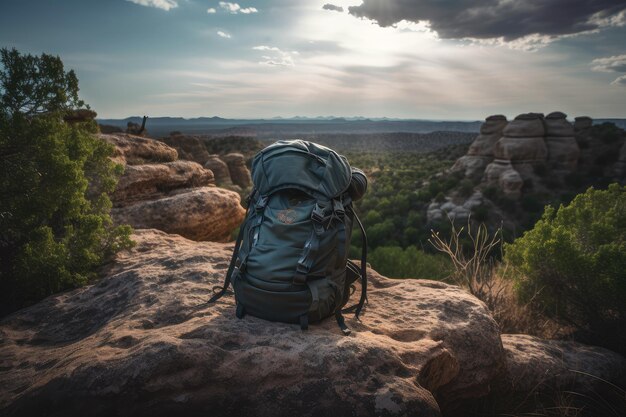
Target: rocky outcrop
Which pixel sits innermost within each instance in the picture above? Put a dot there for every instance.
(551, 364)
(136, 150)
(219, 169)
(619, 169)
(563, 151)
(176, 196)
(523, 144)
(481, 151)
(239, 173)
(204, 213)
(449, 209)
(582, 128)
(142, 341)
(190, 148)
(145, 181)
(517, 154)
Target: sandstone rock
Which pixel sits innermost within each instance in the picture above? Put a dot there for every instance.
(135, 150)
(239, 172)
(511, 183)
(219, 169)
(557, 125)
(150, 180)
(143, 341)
(493, 124)
(190, 148)
(582, 128)
(525, 126)
(563, 151)
(521, 149)
(534, 363)
(619, 169)
(204, 213)
(481, 151)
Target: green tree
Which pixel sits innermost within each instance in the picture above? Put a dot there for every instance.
(55, 227)
(572, 264)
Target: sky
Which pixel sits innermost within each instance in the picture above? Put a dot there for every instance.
(417, 59)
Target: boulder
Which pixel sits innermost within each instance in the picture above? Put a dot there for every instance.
(563, 150)
(148, 181)
(142, 341)
(481, 151)
(190, 148)
(537, 364)
(526, 125)
(619, 169)
(521, 150)
(203, 213)
(136, 150)
(219, 169)
(494, 124)
(582, 128)
(511, 183)
(239, 172)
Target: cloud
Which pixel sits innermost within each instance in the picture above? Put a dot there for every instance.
(277, 57)
(505, 20)
(616, 63)
(332, 7)
(223, 34)
(235, 8)
(620, 81)
(159, 4)
(211, 10)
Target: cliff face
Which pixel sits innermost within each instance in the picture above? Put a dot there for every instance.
(158, 190)
(143, 341)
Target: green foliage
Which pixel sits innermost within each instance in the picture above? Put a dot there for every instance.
(572, 263)
(411, 262)
(32, 85)
(55, 227)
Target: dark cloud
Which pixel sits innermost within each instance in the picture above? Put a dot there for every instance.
(488, 19)
(332, 7)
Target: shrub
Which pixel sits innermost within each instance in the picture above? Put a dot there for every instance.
(572, 263)
(395, 262)
(55, 228)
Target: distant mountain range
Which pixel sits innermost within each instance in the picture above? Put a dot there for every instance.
(289, 127)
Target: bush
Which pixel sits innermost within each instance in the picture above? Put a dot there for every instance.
(395, 262)
(55, 228)
(572, 263)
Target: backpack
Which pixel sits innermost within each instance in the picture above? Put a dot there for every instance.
(290, 258)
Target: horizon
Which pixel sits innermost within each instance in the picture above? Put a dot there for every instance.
(263, 59)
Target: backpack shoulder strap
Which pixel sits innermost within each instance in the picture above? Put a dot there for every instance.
(233, 259)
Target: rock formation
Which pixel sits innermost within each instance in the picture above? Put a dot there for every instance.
(461, 212)
(219, 169)
(563, 151)
(176, 196)
(582, 127)
(239, 173)
(136, 150)
(481, 151)
(190, 148)
(143, 341)
(619, 169)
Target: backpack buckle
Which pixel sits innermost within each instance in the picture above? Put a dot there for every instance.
(318, 214)
(261, 203)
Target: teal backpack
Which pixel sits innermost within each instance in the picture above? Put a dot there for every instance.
(290, 258)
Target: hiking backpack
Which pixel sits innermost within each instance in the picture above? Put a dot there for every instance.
(290, 258)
